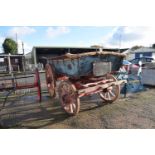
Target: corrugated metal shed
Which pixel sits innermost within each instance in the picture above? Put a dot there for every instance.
(144, 50)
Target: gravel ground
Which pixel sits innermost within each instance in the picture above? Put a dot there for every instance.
(135, 111)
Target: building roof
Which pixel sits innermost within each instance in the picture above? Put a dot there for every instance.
(63, 47)
(14, 55)
(144, 50)
(128, 51)
(67, 47)
(139, 50)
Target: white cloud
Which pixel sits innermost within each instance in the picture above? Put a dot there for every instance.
(21, 31)
(52, 32)
(130, 36)
(1, 42)
(27, 47)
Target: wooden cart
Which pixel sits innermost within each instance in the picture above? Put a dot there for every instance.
(81, 75)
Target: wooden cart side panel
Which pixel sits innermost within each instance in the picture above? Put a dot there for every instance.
(84, 65)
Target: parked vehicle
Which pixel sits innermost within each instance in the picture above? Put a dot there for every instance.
(144, 60)
(130, 68)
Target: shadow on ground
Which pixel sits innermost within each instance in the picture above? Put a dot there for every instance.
(135, 111)
(27, 113)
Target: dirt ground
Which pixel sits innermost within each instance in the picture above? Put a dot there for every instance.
(135, 111)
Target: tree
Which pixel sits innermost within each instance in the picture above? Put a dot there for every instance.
(96, 46)
(136, 47)
(9, 46)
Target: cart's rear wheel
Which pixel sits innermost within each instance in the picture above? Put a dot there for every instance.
(112, 93)
(50, 80)
(70, 101)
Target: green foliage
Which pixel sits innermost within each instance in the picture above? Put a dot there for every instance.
(136, 47)
(9, 46)
(97, 46)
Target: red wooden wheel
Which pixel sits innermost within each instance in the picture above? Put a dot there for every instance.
(110, 94)
(69, 99)
(50, 80)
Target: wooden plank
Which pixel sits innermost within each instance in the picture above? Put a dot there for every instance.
(76, 56)
(100, 86)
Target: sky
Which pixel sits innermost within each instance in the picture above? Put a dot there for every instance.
(79, 36)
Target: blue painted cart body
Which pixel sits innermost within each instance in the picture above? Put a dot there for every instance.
(77, 65)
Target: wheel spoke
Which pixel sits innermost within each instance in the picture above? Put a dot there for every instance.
(102, 94)
(74, 106)
(108, 95)
(71, 108)
(112, 93)
(66, 107)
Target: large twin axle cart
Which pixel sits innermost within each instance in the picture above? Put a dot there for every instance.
(79, 75)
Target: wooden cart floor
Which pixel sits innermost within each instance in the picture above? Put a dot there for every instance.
(136, 111)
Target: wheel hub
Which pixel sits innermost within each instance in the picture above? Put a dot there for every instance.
(49, 80)
(67, 99)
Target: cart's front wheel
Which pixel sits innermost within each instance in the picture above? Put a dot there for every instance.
(50, 80)
(69, 99)
(111, 93)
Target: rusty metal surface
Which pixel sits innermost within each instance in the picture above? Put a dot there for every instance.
(101, 68)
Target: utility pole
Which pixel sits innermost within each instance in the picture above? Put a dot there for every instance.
(9, 63)
(120, 39)
(23, 48)
(17, 42)
(23, 57)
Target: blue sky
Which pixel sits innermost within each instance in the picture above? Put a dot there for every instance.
(85, 36)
